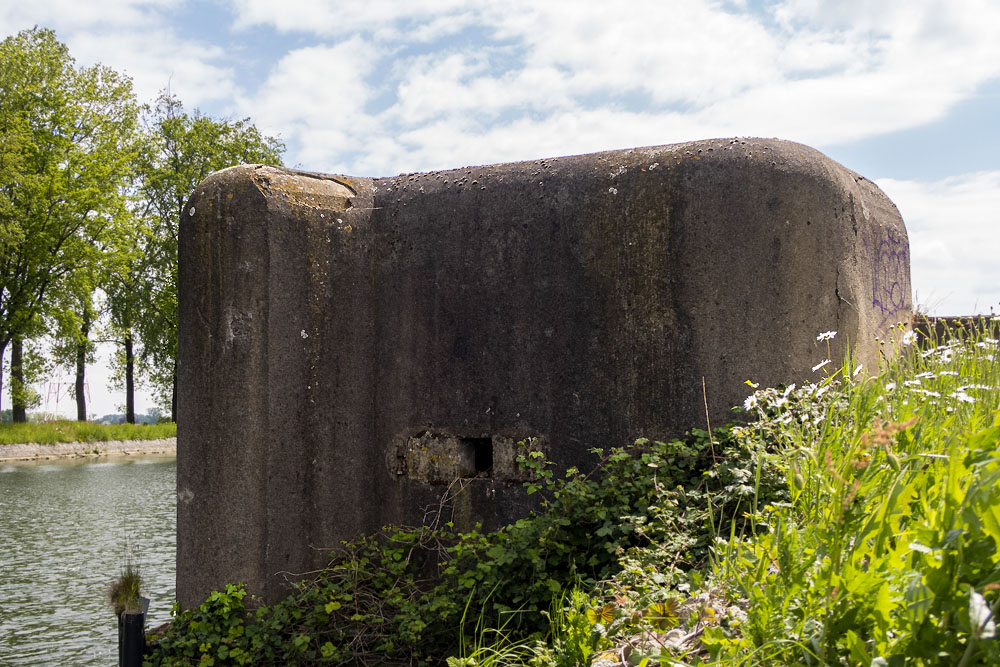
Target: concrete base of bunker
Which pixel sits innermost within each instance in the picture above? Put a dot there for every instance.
(349, 347)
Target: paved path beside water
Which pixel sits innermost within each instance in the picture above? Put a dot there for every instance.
(39, 452)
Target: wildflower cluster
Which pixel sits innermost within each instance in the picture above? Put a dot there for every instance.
(954, 375)
(774, 413)
(887, 552)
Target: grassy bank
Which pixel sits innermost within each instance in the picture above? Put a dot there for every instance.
(854, 520)
(48, 433)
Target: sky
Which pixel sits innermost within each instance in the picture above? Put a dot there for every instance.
(905, 93)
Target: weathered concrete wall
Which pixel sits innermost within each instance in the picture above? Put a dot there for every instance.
(349, 345)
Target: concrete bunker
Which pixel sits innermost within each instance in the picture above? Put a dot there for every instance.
(349, 345)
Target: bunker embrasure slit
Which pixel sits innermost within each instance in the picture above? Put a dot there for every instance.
(480, 451)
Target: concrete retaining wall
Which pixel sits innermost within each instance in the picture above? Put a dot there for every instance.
(349, 345)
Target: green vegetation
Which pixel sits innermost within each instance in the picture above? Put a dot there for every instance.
(67, 137)
(181, 150)
(49, 433)
(851, 521)
(91, 188)
(125, 592)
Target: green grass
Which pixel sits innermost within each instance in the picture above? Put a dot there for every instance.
(48, 433)
(888, 550)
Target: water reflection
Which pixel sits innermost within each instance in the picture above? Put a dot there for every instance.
(64, 528)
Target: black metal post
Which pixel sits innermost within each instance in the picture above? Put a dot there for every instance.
(132, 636)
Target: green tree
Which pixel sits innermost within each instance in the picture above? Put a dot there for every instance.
(182, 150)
(66, 148)
(98, 299)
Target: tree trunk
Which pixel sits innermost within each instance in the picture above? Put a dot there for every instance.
(20, 410)
(129, 380)
(81, 370)
(173, 395)
(3, 348)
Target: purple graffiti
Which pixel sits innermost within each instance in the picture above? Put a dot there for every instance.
(890, 263)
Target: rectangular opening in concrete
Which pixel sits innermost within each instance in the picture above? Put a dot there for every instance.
(480, 451)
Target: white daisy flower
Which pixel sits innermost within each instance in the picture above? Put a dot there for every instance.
(962, 397)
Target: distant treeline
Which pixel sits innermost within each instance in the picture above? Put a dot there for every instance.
(154, 416)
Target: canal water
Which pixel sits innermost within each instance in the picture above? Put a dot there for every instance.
(66, 531)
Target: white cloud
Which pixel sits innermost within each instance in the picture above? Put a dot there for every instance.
(320, 17)
(137, 38)
(673, 53)
(443, 145)
(463, 85)
(954, 245)
(574, 76)
(157, 58)
(562, 74)
(77, 15)
(315, 98)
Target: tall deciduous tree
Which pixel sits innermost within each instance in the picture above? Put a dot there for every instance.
(183, 150)
(66, 147)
